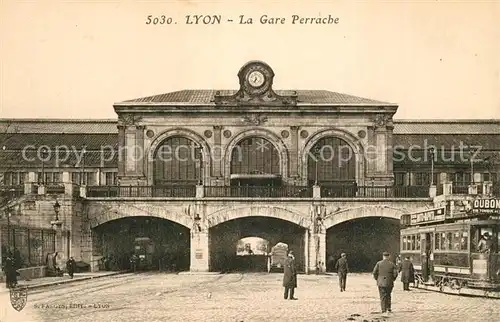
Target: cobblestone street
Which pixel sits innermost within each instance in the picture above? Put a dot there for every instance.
(244, 297)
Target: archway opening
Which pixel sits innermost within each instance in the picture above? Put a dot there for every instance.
(363, 240)
(158, 244)
(177, 161)
(332, 162)
(252, 253)
(229, 249)
(255, 161)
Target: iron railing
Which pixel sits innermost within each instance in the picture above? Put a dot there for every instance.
(181, 191)
(54, 189)
(460, 189)
(14, 191)
(259, 191)
(29, 246)
(353, 191)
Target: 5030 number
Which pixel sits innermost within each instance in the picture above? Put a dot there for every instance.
(161, 20)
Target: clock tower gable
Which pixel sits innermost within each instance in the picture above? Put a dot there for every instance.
(256, 80)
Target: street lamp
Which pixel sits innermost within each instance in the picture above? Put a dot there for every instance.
(197, 221)
(57, 208)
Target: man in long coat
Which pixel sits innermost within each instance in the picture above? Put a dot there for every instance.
(385, 273)
(289, 276)
(10, 272)
(342, 269)
(407, 273)
(70, 266)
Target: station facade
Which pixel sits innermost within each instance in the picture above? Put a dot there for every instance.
(198, 171)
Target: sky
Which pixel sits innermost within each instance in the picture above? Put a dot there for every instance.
(74, 59)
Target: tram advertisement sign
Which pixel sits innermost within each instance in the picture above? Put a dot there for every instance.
(428, 216)
(485, 206)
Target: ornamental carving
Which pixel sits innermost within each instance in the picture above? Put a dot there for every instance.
(127, 119)
(382, 120)
(256, 80)
(255, 119)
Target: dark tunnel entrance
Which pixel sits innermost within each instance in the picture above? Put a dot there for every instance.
(158, 244)
(363, 240)
(247, 244)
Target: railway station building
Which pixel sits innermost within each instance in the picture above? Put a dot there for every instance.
(217, 179)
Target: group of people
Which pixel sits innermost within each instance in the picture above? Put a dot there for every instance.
(385, 273)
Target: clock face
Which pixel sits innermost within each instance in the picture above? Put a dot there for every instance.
(256, 79)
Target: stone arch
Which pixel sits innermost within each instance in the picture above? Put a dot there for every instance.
(225, 215)
(195, 137)
(349, 138)
(363, 212)
(257, 132)
(101, 216)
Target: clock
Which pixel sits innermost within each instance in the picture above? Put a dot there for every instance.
(256, 79)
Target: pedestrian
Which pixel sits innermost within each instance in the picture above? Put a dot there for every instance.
(342, 269)
(10, 272)
(407, 273)
(385, 273)
(289, 276)
(70, 266)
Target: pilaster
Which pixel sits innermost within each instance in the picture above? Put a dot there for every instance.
(294, 151)
(317, 250)
(199, 251)
(217, 152)
(121, 150)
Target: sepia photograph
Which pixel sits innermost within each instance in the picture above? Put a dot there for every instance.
(239, 161)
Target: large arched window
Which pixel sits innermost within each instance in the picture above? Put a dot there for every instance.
(331, 160)
(177, 160)
(255, 156)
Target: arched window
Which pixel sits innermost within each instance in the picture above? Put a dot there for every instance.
(255, 155)
(177, 161)
(331, 160)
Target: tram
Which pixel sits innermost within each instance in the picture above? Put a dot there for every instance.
(144, 251)
(455, 248)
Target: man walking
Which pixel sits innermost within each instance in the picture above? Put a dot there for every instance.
(342, 269)
(407, 273)
(70, 266)
(289, 276)
(385, 272)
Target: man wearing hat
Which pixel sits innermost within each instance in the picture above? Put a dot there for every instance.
(342, 270)
(484, 245)
(289, 276)
(385, 273)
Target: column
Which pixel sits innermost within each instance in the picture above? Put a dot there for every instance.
(306, 250)
(294, 154)
(200, 256)
(121, 150)
(68, 184)
(139, 150)
(217, 153)
(317, 250)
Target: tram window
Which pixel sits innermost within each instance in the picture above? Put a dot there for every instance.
(417, 243)
(437, 241)
(404, 243)
(449, 237)
(464, 240)
(456, 240)
(413, 242)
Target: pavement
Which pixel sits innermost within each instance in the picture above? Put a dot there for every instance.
(51, 281)
(242, 298)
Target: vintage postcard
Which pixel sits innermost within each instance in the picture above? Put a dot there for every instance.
(249, 160)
